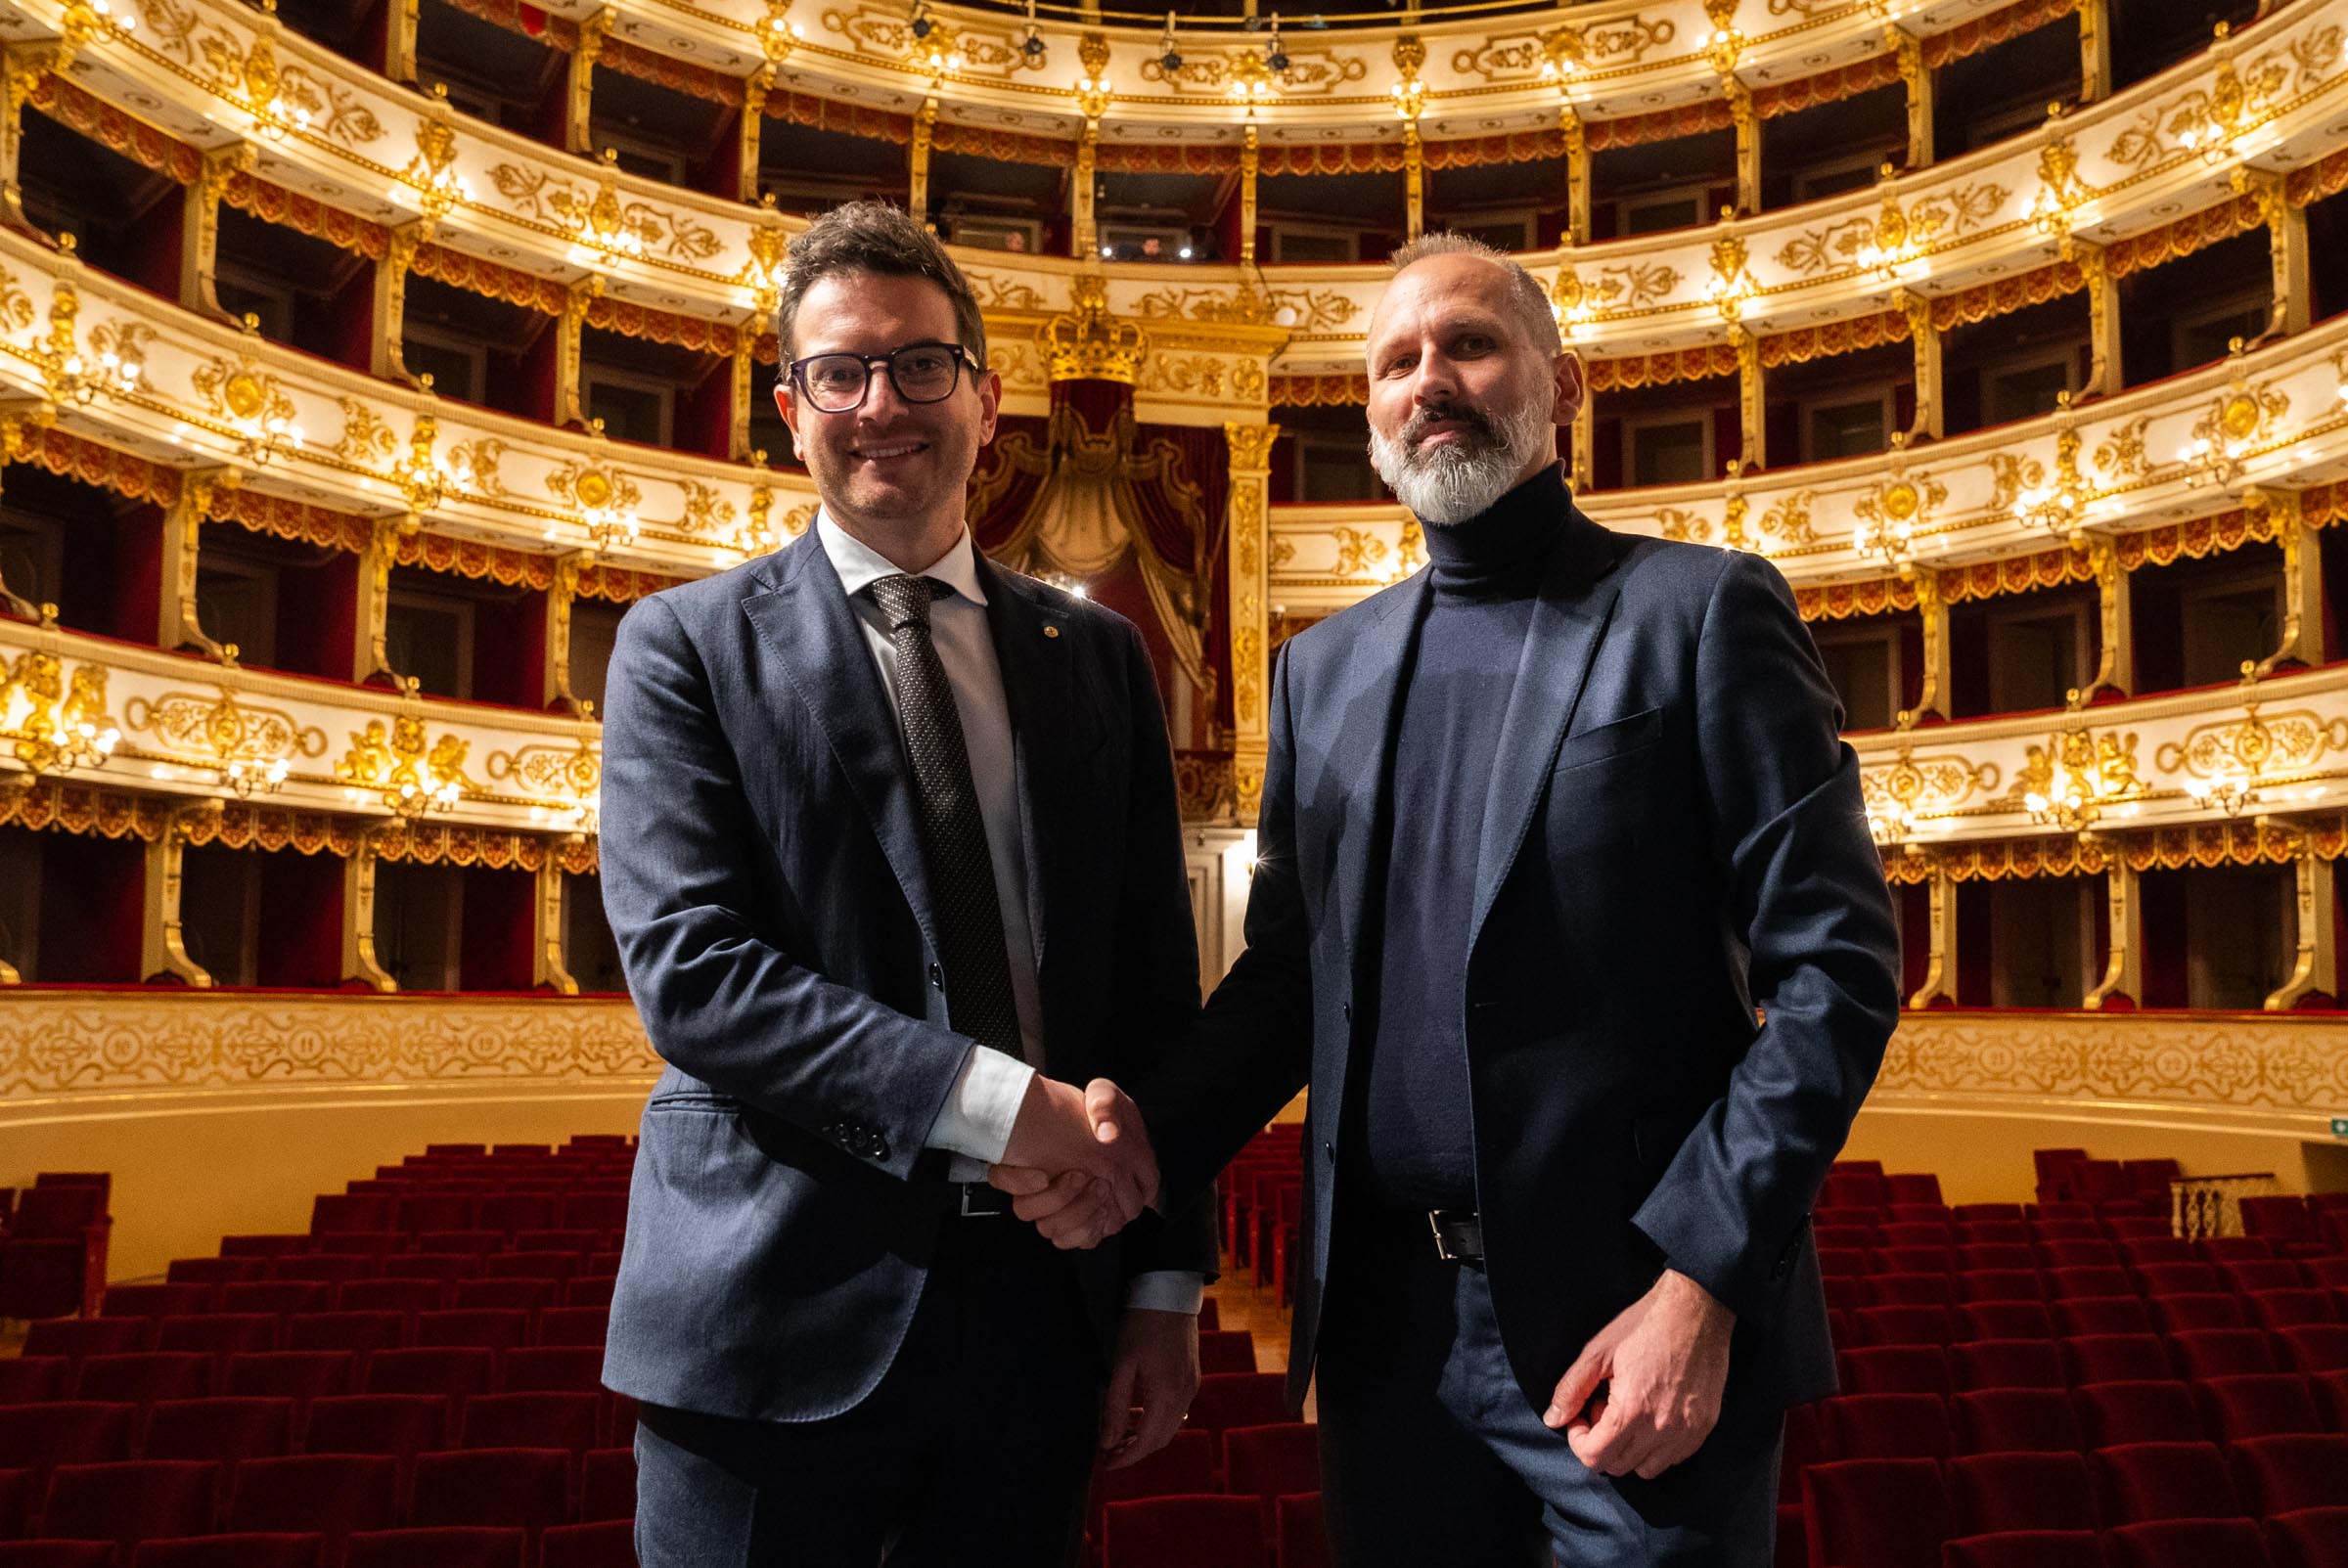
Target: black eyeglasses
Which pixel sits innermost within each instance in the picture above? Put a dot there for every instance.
(921, 373)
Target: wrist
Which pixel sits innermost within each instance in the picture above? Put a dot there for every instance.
(1685, 1292)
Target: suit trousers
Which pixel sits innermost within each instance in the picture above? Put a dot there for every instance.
(1431, 1453)
(975, 1448)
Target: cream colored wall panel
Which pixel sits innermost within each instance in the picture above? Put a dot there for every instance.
(224, 1113)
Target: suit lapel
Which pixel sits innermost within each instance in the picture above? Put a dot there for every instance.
(806, 621)
(1033, 650)
(1375, 666)
(1569, 621)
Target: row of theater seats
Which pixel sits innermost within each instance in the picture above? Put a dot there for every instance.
(54, 1237)
(2070, 1383)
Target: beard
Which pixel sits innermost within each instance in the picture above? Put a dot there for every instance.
(1454, 482)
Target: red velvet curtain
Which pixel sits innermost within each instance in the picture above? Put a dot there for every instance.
(1180, 533)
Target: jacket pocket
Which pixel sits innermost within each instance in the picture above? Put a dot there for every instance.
(1614, 739)
(695, 1100)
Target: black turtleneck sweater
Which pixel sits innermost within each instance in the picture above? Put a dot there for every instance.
(1456, 684)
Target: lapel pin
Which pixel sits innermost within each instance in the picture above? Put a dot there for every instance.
(1051, 631)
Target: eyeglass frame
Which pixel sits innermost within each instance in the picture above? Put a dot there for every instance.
(794, 377)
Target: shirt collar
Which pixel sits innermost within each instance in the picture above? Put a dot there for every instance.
(859, 565)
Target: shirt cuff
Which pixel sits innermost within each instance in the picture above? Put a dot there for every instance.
(1167, 1291)
(977, 1116)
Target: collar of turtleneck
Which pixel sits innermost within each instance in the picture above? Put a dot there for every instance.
(1508, 543)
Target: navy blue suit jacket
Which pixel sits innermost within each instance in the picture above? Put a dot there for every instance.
(1673, 838)
(762, 868)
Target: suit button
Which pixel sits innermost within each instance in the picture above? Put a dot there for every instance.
(1346, 1009)
(937, 977)
(1328, 1152)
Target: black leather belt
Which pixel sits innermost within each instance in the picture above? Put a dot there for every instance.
(1459, 1235)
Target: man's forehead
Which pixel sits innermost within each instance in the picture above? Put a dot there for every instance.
(1443, 289)
(847, 305)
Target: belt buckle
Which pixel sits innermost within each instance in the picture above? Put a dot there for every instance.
(1434, 1222)
(968, 1213)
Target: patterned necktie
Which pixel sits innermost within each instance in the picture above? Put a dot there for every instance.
(962, 877)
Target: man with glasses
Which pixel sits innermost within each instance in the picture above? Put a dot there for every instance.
(891, 846)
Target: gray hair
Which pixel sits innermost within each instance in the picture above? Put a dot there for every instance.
(1527, 300)
(877, 237)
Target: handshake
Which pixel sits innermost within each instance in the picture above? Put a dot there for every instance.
(1078, 1166)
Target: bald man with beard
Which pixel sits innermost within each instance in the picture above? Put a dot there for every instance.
(1567, 911)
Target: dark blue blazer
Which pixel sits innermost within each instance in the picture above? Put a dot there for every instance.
(1672, 840)
(762, 868)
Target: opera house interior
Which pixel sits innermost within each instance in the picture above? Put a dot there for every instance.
(362, 362)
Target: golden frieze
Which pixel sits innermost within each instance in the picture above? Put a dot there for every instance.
(1924, 787)
(705, 511)
(1627, 286)
(2207, 119)
(1561, 51)
(473, 465)
(2121, 453)
(604, 219)
(15, 305)
(2254, 747)
(1895, 232)
(219, 728)
(593, 487)
(550, 772)
(366, 435)
(411, 773)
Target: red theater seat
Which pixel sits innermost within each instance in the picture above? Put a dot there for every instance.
(552, 1369)
(513, 1489)
(2294, 1308)
(2309, 1538)
(2138, 1482)
(1230, 1400)
(213, 1271)
(1890, 1427)
(2116, 1413)
(1994, 1492)
(400, 1425)
(2201, 1354)
(1301, 1538)
(219, 1334)
(1999, 1285)
(1185, 1466)
(130, 1501)
(19, 1492)
(251, 1550)
(227, 1429)
(41, 1437)
(575, 1324)
(2310, 1348)
(2006, 1363)
(1230, 1350)
(1895, 1369)
(456, 1373)
(35, 1380)
(2015, 1420)
(300, 1376)
(406, 1296)
(76, 1338)
(1903, 1325)
(607, 1485)
(1270, 1462)
(437, 1549)
(346, 1330)
(2004, 1319)
(2187, 1544)
(2256, 1405)
(1874, 1513)
(144, 1378)
(2180, 1278)
(328, 1494)
(1184, 1532)
(2115, 1357)
(57, 1554)
(567, 1421)
(2026, 1548)
(611, 1544)
(2205, 1309)
(282, 1299)
(2082, 1316)
(504, 1295)
(2301, 1470)
(156, 1301)
(484, 1330)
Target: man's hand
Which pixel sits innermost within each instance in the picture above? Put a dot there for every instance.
(1149, 1387)
(1657, 1370)
(1078, 1163)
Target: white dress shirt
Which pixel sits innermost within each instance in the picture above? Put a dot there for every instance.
(976, 1120)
